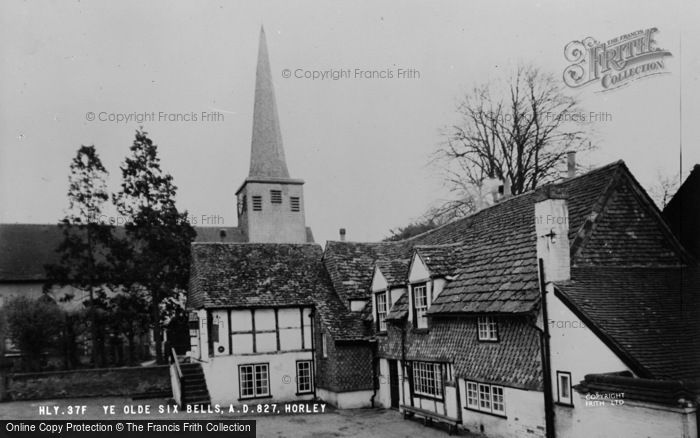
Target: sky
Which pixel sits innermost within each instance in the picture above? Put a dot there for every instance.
(361, 144)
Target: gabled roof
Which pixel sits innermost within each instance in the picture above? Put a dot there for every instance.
(251, 275)
(394, 271)
(439, 259)
(683, 212)
(26, 248)
(650, 317)
(494, 255)
(351, 264)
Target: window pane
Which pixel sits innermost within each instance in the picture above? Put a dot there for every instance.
(485, 397)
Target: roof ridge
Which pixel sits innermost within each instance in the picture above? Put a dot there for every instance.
(511, 198)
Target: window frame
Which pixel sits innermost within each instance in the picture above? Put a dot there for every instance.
(490, 332)
(416, 318)
(476, 393)
(419, 379)
(311, 376)
(377, 312)
(254, 368)
(560, 399)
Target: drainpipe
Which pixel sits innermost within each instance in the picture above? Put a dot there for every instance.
(375, 377)
(546, 357)
(312, 315)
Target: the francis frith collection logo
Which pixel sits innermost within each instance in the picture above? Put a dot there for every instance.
(616, 62)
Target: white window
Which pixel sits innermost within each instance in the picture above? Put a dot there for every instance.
(487, 328)
(254, 380)
(472, 395)
(304, 377)
(427, 379)
(564, 387)
(486, 398)
(381, 311)
(420, 305)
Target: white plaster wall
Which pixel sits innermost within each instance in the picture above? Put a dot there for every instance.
(276, 223)
(438, 286)
(574, 347)
(383, 398)
(524, 415)
(222, 376)
(418, 271)
(630, 420)
(379, 282)
(396, 293)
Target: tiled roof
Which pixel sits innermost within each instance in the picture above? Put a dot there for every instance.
(400, 309)
(493, 253)
(683, 212)
(351, 264)
(667, 392)
(268, 275)
(395, 271)
(26, 248)
(440, 259)
(648, 316)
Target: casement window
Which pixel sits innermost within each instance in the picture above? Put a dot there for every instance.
(254, 380)
(257, 203)
(276, 196)
(324, 345)
(487, 328)
(486, 398)
(420, 305)
(381, 311)
(304, 377)
(295, 203)
(564, 388)
(428, 379)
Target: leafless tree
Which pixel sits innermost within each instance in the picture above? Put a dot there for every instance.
(664, 188)
(519, 129)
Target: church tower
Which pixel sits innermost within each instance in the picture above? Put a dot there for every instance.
(270, 203)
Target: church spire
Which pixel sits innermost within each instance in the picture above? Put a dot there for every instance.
(266, 151)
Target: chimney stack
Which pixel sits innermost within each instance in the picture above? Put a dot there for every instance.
(552, 228)
(571, 164)
(506, 187)
(342, 234)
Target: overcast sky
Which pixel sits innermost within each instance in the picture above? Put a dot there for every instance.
(362, 145)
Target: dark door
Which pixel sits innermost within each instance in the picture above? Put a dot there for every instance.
(394, 383)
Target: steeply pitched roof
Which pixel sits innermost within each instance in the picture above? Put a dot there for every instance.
(351, 264)
(253, 275)
(650, 317)
(266, 154)
(394, 270)
(683, 212)
(440, 259)
(26, 248)
(494, 250)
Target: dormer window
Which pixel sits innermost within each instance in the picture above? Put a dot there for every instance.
(257, 203)
(276, 196)
(381, 311)
(420, 305)
(295, 203)
(487, 328)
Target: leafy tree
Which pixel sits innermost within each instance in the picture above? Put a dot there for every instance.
(34, 326)
(156, 251)
(518, 130)
(84, 261)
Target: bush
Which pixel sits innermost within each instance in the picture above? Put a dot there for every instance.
(35, 326)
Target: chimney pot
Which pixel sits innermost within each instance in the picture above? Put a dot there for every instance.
(571, 164)
(342, 234)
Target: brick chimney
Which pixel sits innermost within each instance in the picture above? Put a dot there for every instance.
(552, 228)
(571, 164)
